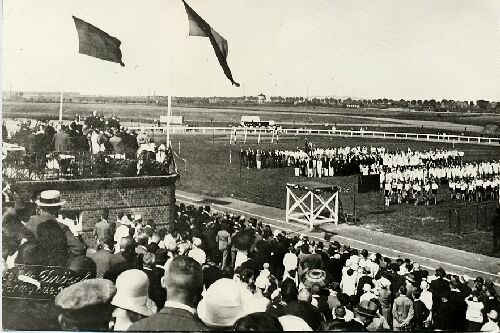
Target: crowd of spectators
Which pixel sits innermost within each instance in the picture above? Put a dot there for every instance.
(58, 146)
(215, 271)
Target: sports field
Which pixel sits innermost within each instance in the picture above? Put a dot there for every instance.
(205, 168)
(207, 171)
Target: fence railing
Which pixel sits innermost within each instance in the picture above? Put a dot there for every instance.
(77, 165)
(304, 131)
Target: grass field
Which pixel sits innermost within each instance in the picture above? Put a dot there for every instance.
(207, 170)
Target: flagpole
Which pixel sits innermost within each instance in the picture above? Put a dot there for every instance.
(60, 108)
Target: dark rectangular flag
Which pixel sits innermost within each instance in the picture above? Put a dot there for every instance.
(198, 27)
(96, 43)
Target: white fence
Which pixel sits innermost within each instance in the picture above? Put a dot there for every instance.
(341, 133)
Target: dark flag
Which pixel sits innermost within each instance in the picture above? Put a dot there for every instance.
(198, 27)
(96, 43)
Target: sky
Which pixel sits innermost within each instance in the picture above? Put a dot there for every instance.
(411, 49)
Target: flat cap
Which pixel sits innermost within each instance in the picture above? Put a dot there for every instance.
(85, 294)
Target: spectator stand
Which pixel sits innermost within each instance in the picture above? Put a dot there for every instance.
(312, 203)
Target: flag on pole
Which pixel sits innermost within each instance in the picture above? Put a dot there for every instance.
(96, 43)
(198, 27)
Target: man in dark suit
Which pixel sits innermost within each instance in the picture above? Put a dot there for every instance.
(124, 260)
(103, 230)
(102, 257)
(50, 204)
(61, 140)
(439, 287)
(183, 281)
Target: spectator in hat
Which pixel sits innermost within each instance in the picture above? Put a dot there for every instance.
(367, 293)
(308, 312)
(402, 311)
(222, 305)
(131, 300)
(223, 240)
(294, 323)
(183, 282)
(86, 305)
(364, 314)
(258, 322)
(196, 252)
(50, 204)
(492, 324)
(474, 315)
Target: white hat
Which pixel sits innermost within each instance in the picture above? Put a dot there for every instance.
(137, 217)
(132, 292)
(50, 198)
(222, 305)
(367, 287)
(294, 323)
(493, 314)
(196, 241)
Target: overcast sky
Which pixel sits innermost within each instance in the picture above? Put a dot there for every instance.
(361, 48)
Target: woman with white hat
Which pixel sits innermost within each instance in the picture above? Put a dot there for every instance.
(222, 305)
(131, 299)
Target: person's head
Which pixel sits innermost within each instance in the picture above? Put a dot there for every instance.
(82, 265)
(183, 280)
(403, 290)
(340, 312)
(131, 300)
(222, 304)
(289, 291)
(50, 202)
(305, 295)
(142, 239)
(105, 214)
(492, 315)
(308, 312)
(258, 322)
(247, 276)
(85, 305)
(366, 311)
(127, 245)
(440, 273)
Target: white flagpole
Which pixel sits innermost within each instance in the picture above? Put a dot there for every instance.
(169, 111)
(61, 108)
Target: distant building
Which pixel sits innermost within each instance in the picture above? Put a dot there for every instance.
(261, 98)
(352, 105)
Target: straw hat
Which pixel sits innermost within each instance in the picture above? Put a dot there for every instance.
(132, 292)
(367, 309)
(50, 198)
(222, 305)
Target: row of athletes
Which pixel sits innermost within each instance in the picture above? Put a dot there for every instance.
(443, 174)
(470, 189)
(475, 189)
(399, 191)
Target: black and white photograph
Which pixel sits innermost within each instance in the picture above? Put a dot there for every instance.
(239, 165)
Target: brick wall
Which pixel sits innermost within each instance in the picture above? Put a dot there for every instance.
(152, 197)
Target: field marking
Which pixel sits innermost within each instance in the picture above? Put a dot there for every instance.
(194, 200)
